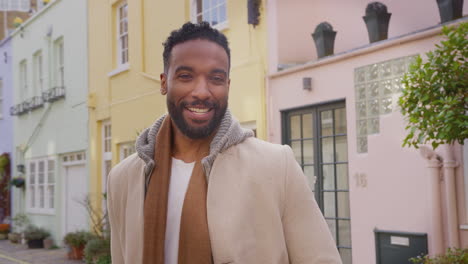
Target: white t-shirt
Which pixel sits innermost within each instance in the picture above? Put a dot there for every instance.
(180, 177)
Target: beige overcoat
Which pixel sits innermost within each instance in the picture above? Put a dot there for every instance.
(260, 209)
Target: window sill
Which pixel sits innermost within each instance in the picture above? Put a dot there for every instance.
(121, 68)
(41, 211)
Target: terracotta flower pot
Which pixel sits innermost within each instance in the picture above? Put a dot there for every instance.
(76, 253)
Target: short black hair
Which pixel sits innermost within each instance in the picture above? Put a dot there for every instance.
(191, 31)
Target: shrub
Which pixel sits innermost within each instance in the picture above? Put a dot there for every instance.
(78, 239)
(33, 233)
(97, 251)
(435, 96)
(453, 256)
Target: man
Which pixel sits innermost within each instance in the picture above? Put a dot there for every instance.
(203, 190)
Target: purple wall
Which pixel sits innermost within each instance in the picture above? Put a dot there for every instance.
(6, 74)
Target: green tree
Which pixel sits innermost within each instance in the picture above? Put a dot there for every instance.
(434, 99)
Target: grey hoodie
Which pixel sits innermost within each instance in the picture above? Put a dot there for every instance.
(230, 133)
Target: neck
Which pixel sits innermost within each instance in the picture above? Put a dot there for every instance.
(187, 149)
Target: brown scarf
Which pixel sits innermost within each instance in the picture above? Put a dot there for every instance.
(194, 240)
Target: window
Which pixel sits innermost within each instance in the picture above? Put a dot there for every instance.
(41, 185)
(126, 149)
(106, 153)
(211, 11)
(38, 74)
(59, 64)
(318, 139)
(23, 81)
(122, 34)
(15, 5)
(1, 98)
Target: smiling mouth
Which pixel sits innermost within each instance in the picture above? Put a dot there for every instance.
(199, 110)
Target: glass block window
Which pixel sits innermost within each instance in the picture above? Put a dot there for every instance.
(40, 175)
(377, 88)
(211, 11)
(318, 138)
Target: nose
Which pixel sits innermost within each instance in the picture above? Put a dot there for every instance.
(201, 90)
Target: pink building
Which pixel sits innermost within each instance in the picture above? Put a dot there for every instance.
(383, 203)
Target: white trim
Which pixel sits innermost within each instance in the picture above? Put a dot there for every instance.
(106, 157)
(38, 73)
(119, 35)
(126, 149)
(222, 25)
(47, 210)
(59, 62)
(121, 68)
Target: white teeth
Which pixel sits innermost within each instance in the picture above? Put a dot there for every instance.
(199, 110)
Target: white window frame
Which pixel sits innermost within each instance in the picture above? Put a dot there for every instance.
(23, 79)
(38, 73)
(221, 25)
(126, 149)
(122, 62)
(15, 5)
(59, 63)
(106, 154)
(1, 98)
(47, 207)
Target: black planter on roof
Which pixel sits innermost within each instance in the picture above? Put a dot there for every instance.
(324, 38)
(377, 20)
(450, 9)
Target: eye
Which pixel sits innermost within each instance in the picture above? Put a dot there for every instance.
(184, 76)
(217, 79)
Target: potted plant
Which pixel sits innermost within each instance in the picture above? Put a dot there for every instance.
(98, 251)
(324, 38)
(4, 229)
(453, 255)
(450, 9)
(20, 221)
(35, 236)
(17, 21)
(18, 182)
(45, 2)
(77, 241)
(377, 20)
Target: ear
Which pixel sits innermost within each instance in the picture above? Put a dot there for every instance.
(163, 89)
(229, 84)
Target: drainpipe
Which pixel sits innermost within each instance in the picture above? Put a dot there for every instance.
(449, 166)
(436, 237)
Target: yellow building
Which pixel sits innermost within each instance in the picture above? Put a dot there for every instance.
(125, 61)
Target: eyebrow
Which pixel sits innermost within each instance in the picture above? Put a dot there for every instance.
(183, 68)
(219, 71)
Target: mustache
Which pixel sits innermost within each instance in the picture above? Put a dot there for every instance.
(207, 104)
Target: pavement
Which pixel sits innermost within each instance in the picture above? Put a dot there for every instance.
(20, 254)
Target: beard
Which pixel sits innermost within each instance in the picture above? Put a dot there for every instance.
(176, 113)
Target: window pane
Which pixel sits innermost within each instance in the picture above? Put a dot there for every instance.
(222, 13)
(50, 177)
(343, 204)
(345, 254)
(295, 127)
(50, 165)
(308, 151)
(340, 121)
(327, 150)
(344, 234)
(50, 191)
(214, 16)
(310, 174)
(326, 120)
(341, 149)
(296, 147)
(342, 176)
(32, 196)
(307, 126)
(41, 166)
(329, 204)
(40, 178)
(328, 177)
(332, 226)
(41, 196)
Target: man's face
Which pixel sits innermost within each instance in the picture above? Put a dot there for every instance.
(197, 87)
